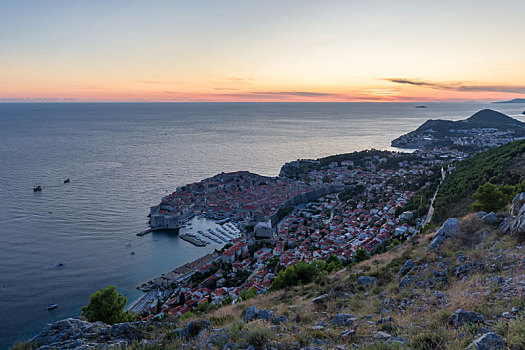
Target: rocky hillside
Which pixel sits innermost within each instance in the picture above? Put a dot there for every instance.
(461, 286)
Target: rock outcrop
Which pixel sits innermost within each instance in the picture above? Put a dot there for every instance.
(461, 317)
(449, 228)
(75, 333)
(518, 212)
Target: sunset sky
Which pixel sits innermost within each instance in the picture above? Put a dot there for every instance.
(285, 50)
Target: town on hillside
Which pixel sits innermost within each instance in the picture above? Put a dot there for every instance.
(332, 208)
(336, 208)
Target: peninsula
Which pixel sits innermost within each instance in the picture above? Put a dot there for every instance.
(516, 100)
(483, 130)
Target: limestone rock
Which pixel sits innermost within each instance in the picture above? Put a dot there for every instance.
(504, 226)
(518, 226)
(406, 268)
(343, 320)
(321, 299)
(366, 281)
(251, 314)
(192, 329)
(449, 228)
(488, 341)
(517, 203)
(491, 219)
(461, 317)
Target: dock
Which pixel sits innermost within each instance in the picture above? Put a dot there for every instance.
(145, 232)
(192, 240)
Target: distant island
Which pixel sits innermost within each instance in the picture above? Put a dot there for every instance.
(516, 100)
(484, 129)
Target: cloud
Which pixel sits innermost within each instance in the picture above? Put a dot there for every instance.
(39, 99)
(460, 86)
(297, 93)
(300, 95)
(238, 80)
(153, 82)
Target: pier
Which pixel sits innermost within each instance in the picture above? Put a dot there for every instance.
(145, 232)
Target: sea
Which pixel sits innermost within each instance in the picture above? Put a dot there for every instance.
(69, 240)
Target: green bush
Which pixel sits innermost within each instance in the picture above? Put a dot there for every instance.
(106, 305)
(299, 273)
(248, 294)
(259, 335)
(361, 255)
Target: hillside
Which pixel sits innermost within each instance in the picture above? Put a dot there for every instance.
(500, 165)
(464, 290)
(484, 129)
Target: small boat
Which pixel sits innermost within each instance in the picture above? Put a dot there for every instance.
(52, 306)
(421, 106)
(60, 263)
(37, 188)
(66, 181)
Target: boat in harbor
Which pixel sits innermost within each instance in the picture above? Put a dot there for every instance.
(37, 188)
(52, 306)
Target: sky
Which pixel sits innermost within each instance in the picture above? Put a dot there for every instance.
(243, 50)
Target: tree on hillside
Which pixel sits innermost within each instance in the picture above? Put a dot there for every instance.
(489, 198)
(106, 305)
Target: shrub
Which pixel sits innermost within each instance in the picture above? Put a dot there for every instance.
(361, 255)
(428, 341)
(106, 305)
(221, 320)
(293, 275)
(259, 335)
(248, 294)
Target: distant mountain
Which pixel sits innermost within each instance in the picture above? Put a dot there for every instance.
(516, 100)
(484, 129)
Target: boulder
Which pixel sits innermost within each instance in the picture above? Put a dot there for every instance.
(449, 228)
(251, 314)
(461, 317)
(387, 319)
(406, 268)
(481, 214)
(504, 226)
(405, 282)
(517, 203)
(266, 315)
(280, 320)
(518, 226)
(491, 219)
(321, 299)
(488, 341)
(192, 329)
(366, 281)
(343, 320)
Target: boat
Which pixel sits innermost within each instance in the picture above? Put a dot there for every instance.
(37, 188)
(66, 181)
(421, 106)
(52, 306)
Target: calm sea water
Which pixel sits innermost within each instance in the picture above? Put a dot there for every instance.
(121, 159)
